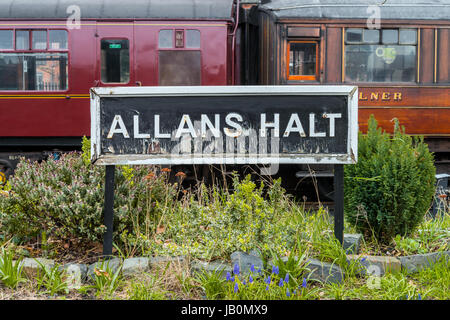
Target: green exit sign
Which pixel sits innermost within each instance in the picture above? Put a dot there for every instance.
(115, 46)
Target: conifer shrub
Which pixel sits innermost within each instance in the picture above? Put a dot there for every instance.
(390, 189)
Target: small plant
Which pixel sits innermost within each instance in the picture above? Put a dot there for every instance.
(264, 285)
(52, 279)
(295, 266)
(390, 189)
(142, 291)
(10, 270)
(212, 284)
(105, 281)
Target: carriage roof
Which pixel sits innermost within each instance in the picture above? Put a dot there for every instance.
(358, 9)
(118, 9)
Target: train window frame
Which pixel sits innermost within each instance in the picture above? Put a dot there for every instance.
(399, 30)
(185, 38)
(311, 78)
(174, 47)
(129, 61)
(30, 51)
(13, 38)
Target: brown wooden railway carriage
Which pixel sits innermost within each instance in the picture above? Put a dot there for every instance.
(402, 68)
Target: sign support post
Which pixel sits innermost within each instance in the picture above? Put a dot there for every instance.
(339, 202)
(108, 211)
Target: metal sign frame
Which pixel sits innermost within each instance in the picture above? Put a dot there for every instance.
(216, 91)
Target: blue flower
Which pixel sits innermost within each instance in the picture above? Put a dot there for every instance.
(267, 287)
(419, 297)
(304, 283)
(236, 269)
(236, 287)
(281, 283)
(288, 293)
(250, 279)
(275, 270)
(228, 276)
(286, 279)
(267, 280)
(252, 268)
(363, 259)
(295, 291)
(244, 283)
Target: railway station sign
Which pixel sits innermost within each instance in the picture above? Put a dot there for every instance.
(224, 125)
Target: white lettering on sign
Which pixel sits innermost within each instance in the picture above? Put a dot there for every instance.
(275, 124)
(122, 129)
(138, 135)
(233, 124)
(298, 126)
(234, 128)
(185, 120)
(312, 127)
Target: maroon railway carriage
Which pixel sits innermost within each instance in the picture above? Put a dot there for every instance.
(49, 59)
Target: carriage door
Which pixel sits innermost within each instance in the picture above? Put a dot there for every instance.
(115, 58)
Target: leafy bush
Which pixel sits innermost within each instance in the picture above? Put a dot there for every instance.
(217, 223)
(65, 198)
(390, 189)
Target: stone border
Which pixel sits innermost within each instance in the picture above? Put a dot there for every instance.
(319, 271)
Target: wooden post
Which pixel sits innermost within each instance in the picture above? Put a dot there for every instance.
(108, 211)
(339, 202)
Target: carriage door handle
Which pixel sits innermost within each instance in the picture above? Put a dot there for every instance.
(139, 83)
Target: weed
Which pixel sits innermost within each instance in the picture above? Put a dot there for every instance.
(52, 279)
(105, 281)
(10, 270)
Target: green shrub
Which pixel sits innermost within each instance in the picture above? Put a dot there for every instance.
(65, 198)
(390, 189)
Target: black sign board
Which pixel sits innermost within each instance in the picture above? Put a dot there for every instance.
(229, 125)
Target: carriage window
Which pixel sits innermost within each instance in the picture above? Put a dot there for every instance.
(25, 70)
(390, 36)
(115, 61)
(33, 71)
(387, 55)
(39, 40)
(57, 39)
(371, 36)
(179, 68)
(165, 39)
(192, 39)
(354, 35)
(6, 39)
(22, 40)
(408, 36)
(302, 57)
